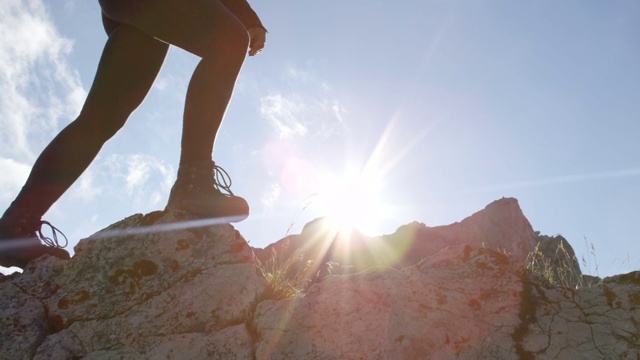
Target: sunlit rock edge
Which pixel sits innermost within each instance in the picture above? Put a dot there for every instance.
(146, 289)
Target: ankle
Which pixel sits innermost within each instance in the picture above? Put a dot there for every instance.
(18, 221)
(204, 174)
(195, 168)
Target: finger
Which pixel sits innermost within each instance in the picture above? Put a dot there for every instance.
(253, 52)
(257, 44)
(258, 40)
(257, 47)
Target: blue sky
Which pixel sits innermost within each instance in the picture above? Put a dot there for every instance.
(426, 110)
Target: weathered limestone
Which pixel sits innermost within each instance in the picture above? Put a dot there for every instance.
(500, 226)
(140, 283)
(159, 286)
(599, 322)
(461, 303)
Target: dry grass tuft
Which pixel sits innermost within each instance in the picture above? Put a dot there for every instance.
(562, 268)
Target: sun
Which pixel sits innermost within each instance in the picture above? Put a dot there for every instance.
(352, 202)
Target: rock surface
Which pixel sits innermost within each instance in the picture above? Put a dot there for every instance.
(141, 288)
(501, 226)
(599, 322)
(159, 286)
(460, 303)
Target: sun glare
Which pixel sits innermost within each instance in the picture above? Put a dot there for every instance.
(352, 201)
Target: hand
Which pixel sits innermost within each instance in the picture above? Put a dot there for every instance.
(257, 36)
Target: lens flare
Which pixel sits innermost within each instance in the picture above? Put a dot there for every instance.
(352, 202)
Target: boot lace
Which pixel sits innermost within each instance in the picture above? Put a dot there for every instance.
(222, 180)
(53, 240)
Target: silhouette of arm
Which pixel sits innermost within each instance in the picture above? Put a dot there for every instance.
(244, 12)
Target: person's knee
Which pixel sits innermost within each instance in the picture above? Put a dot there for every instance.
(232, 44)
(240, 37)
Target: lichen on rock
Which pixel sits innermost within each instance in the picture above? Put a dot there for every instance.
(163, 286)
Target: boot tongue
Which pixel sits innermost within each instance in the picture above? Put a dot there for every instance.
(205, 174)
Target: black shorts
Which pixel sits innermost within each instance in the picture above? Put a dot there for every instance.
(120, 10)
(108, 24)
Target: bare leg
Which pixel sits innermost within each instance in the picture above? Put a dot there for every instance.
(208, 95)
(127, 69)
(130, 62)
(207, 29)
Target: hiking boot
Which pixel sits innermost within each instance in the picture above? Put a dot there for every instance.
(203, 189)
(22, 240)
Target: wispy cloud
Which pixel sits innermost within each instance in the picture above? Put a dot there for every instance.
(272, 195)
(13, 176)
(146, 179)
(305, 113)
(161, 83)
(307, 109)
(38, 88)
(559, 180)
(298, 74)
(141, 180)
(87, 188)
(285, 114)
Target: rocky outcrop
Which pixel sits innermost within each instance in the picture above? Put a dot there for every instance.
(147, 287)
(462, 303)
(161, 286)
(598, 322)
(501, 226)
(554, 257)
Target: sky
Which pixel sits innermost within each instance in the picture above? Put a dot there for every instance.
(421, 111)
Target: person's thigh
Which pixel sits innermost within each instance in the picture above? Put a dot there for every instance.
(198, 26)
(130, 62)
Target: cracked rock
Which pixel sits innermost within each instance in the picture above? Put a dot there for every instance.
(162, 286)
(143, 284)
